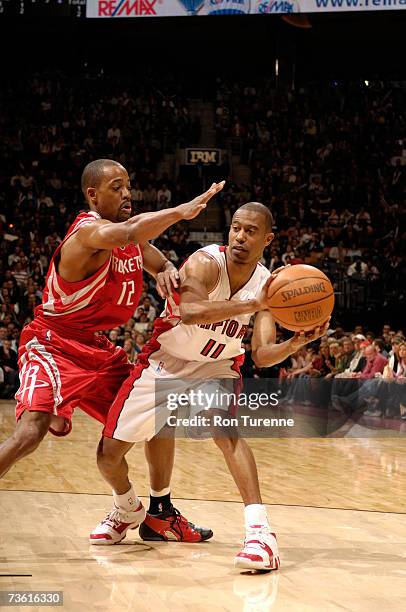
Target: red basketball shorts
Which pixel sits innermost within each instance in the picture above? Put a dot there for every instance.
(59, 374)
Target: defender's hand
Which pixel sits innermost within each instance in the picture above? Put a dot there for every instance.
(167, 281)
(191, 209)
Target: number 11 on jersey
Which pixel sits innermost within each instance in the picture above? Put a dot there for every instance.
(209, 346)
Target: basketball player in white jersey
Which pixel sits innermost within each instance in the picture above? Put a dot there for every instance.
(200, 338)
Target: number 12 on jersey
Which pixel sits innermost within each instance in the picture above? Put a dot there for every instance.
(211, 344)
(127, 291)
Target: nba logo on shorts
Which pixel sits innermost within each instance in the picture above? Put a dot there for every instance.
(159, 367)
(48, 335)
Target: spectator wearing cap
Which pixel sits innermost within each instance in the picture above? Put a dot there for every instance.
(357, 363)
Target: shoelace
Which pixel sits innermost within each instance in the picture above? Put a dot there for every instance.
(263, 530)
(258, 531)
(178, 521)
(113, 519)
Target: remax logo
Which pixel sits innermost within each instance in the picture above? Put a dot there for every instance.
(125, 8)
(273, 6)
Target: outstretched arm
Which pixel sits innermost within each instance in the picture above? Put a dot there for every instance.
(198, 278)
(105, 235)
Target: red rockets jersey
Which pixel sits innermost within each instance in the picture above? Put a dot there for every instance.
(104, 300)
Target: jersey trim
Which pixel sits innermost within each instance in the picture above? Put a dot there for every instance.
(77, 300)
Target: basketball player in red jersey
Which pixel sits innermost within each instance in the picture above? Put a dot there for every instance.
(93, 283)
(199, 337)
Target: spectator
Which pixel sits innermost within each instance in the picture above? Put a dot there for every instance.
(143, 324)
(130, 350)
(375, 363)
(389, 388)
(164, 193)
(113, 337)
(8, 363)
(139, 342)
(344, 358)
(379, 345)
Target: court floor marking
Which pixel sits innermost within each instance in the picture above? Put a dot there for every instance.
(222, 501)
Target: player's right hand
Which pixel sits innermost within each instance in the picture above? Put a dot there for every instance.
(191, 209)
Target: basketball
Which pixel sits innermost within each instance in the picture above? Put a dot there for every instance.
(301, 297)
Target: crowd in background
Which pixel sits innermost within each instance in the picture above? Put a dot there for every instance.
(329, 162)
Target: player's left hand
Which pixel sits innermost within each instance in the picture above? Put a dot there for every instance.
(167, 281)
(302, 338)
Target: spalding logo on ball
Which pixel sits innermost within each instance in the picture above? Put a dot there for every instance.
(301, 297)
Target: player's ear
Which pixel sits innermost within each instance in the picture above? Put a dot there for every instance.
(268, 238)
(91, 194)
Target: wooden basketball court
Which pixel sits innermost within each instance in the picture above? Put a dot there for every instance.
(338, 507)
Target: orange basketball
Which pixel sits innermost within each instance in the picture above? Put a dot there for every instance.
(301, 297)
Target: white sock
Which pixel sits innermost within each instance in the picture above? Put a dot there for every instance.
(160, 493)
(255, 514)
(127, 501)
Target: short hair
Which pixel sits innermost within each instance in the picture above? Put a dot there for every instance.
(334, 343)
(259, 208)
(93, 173)
(379, 342)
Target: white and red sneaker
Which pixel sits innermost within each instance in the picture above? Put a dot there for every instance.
(114, 527)
(260, 550)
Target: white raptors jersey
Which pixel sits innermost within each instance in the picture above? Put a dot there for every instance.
(220, 340)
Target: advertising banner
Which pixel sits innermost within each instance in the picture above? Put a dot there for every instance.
(179, 8)
(202, 156)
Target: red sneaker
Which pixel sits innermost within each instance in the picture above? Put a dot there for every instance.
(172, 526)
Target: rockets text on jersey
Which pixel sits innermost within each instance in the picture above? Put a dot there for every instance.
(104, 300)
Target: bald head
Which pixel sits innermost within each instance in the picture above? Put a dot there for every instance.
(93, 173)
(263, 210)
